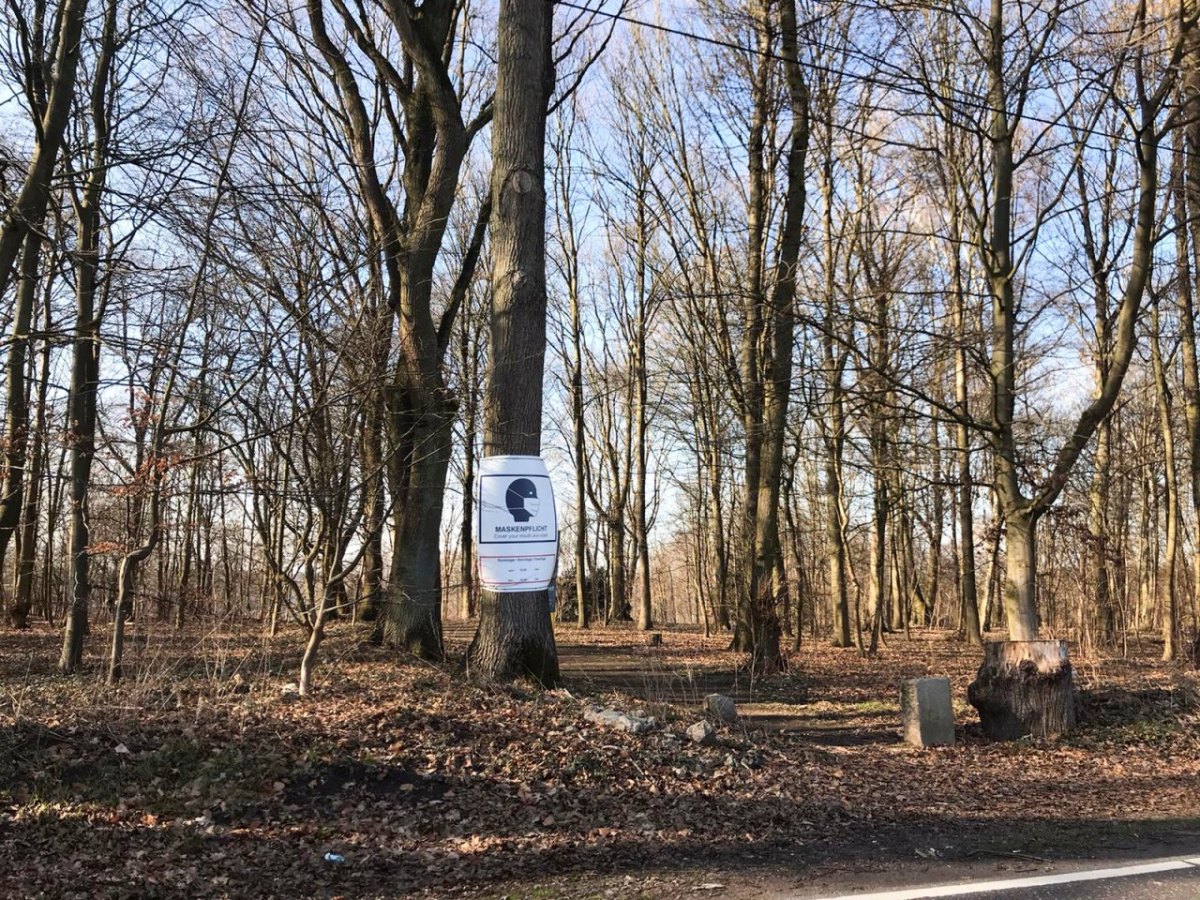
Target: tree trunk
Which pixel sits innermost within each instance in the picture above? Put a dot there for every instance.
(835, 541)
(1187, 206)
(645, 616)
(1170, 623)
(371, 594)
(414, 612)
(927, 606)
(17, 414)
(834, 426)
(767, 379)
(972, 624)
(966, 495)
(1024, 688)
(81, 405)
(23, 600)
(1020, 575)
(877, 597)
(469, 340)
(85, 368)
(126, 588)
(578, 449)
(467, 568)
(515, 637)
(717, 520)
(618, 593)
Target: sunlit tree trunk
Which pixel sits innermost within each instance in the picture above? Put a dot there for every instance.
(1170, 619)
(1187, 209)
(769, 324)
(515, 637)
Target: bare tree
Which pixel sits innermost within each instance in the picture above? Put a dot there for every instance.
(515, 637)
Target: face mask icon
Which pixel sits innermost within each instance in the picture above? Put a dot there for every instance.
(522, 500)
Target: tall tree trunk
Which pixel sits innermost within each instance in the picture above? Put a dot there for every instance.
(833, 431)
(469, 365)
(23, 599)
(753, 328)
(468, 513)
(409, 241)
(85, 369)
(1187, 209)
(515, 636)
(878, 592)
(966, 494)
(767, 381)
(578, 450)
(1170, 623)
(645, 617)
(618, 592)
(835, 534)
(1021, 513)
(17, 412)
(81, 415)
(717, 522)
(929, 604)
(1105, 610)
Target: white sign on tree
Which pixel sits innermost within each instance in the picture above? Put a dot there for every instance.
(517, 528)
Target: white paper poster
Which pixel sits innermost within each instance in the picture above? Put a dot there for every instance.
(517, 529)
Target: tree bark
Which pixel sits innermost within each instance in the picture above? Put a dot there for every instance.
(1170, 623)
(85, 370)
(1187, 206)
(23, 599)
(966, 494)
(413, 622)
(17, 413)
(1020, 575)
(767, 378)
(1024, 688)
(515, 637)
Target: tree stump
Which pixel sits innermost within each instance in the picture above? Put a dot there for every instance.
(1024, 688)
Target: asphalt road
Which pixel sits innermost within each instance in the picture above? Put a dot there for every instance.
(1183, 884)
(1164, 879)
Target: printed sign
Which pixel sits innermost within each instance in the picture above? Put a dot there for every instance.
(517, 529)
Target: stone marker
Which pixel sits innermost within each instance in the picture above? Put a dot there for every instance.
(289, 693)
(619, 721)
(721, 707)
(927, 713)
(702, 733)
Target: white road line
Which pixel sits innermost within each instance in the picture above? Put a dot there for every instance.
(1008, 884)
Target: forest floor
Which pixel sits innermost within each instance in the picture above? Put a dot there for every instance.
(197, 778)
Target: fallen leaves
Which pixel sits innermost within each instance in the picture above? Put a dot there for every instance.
(426, 784)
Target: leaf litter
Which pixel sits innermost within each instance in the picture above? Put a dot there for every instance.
(424, 784)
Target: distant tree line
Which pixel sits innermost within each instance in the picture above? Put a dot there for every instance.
(851, 321)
